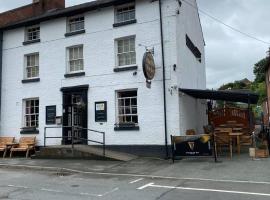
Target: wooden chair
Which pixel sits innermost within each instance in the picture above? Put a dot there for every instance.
(223, 139)
(246, 140)
(26, 144)
(221, 129)
(208, 129)
(5, 144)
(190, 132)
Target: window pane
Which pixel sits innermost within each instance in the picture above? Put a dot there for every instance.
(75, 59)
(125, 13)
(127, 107)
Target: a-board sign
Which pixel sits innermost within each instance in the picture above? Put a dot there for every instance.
(192, 146)
(101, 111)
(50, 114)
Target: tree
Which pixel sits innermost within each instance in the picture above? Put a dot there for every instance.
(259, 70)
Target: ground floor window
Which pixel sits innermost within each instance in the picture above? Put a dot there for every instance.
(31, 113)
(127, 112)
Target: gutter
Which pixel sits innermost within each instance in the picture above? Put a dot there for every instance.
(164, 79)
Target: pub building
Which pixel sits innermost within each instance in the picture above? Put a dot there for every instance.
(112, 66)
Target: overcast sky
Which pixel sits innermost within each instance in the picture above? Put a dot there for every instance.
(229, 55)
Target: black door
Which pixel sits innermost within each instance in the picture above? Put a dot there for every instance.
(75, 117)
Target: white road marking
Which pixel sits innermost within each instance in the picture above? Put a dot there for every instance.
(145, 186)
(18, 186)
(60, 191)
(203, 189)
(51, 190)
(136, 175)
(104, 194)
(135, 181)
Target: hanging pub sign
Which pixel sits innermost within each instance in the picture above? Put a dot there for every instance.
(50, 114)
(193, 146)
(101, 111)
(149, 67)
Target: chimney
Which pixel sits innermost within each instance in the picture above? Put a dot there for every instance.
(37, 7)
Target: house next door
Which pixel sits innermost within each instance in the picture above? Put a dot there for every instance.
(75, 116)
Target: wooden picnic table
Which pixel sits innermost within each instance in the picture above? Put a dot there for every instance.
(237, 136)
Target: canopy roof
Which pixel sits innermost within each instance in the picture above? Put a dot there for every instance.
(243, 96)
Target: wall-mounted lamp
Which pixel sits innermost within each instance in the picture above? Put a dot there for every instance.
(174, 67)
(180, 3)
(147, 48)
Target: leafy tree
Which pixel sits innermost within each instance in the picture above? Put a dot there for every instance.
(259, 70)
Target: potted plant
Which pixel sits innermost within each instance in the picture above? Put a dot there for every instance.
(262, 150)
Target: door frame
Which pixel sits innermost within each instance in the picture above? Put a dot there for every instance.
(83, 89)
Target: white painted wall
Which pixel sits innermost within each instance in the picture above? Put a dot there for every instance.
(191, 73)
(99, 59)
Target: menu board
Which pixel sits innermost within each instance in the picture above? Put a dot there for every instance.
(50, 114)
(101, 111)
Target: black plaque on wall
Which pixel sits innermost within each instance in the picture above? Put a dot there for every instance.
(101, 111)
(50, 114)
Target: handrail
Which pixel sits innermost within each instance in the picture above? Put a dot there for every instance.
(72, 138)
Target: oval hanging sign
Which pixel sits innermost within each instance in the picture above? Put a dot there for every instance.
(149, 67)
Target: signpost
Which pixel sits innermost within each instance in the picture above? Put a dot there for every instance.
(149, 67)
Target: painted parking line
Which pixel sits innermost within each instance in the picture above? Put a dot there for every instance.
(135, 181)
(203, 189)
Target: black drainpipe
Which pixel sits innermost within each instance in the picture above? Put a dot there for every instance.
(1, 62)
(164, 79)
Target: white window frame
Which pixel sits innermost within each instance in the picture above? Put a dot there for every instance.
(34, 66)
(118, 64)
(27, 29)
(117, 12)
(130, 107)
(25, 114)
(69, 71)
(69, 23)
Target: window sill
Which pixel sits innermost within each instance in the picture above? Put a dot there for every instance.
(31, 42)
(77, 74)
(27, 130)
(133, 21)
(125, 68)
(32, 80)
(74, 33)
(126, 127)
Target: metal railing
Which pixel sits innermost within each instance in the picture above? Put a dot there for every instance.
(73, 137)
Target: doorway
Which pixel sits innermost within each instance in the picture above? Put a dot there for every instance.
(75, 116)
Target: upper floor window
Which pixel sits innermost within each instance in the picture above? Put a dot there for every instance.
(75, 24)
(31, 113)
(32, 33)
(125, 13)
(32, 66)
(75, 59)
(126, 54)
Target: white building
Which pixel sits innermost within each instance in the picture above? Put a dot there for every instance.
(93, 53)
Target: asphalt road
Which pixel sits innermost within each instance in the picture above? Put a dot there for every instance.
(39, 185)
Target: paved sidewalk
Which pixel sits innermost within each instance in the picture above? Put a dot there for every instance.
(239, 168)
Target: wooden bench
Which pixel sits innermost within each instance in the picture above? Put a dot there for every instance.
(26, 144)
(5, 144)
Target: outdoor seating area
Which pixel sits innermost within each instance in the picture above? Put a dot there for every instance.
(25, 144)
(233, 136)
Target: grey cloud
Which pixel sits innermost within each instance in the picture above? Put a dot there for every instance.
(230, 56)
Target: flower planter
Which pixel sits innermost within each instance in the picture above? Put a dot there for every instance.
(262, 153)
